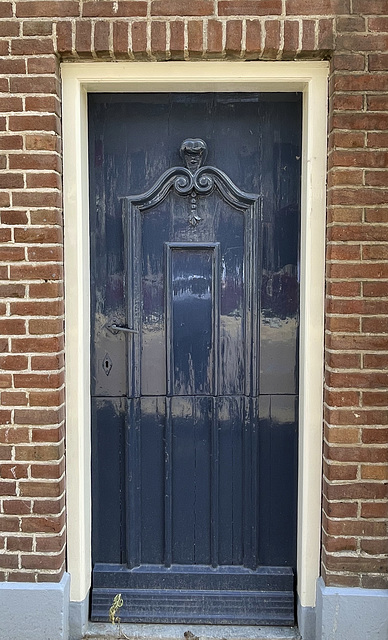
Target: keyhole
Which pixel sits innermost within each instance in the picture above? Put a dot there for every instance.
(107, 364)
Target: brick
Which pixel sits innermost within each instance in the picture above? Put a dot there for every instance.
(370, 7)
(11, 142)
(348, 62)
(356, 342)
(37, 27)
(5, 381)
(105, 8)
(37, 84)
(44, 434)
(42, 65)
(46, 290)
(350, 24)
(325, 35)
(272, 38)
(195, 37)
(3, 345)
(11, 181)
(343, 360)
(374, 510)
(13, 217)
(356, 453)
(41, 525)
(12, 66)
(39, 417)
(318, 7)
(13, 471)
(9, 29)
(42, 452)
(53, 507)
(308, 35)
(12, 326)
(253, 38)
(344, 251)
(11, 253)
(34, 123)
(375, 251)
(120, 39)
(342, 398)
(378, 62)
(6, 10)
(16, 507)
(45, 326)
(101, 38)
(340, 471)
(83, 39)
(376, 361)
(356, 380)
(38, 235)
(11, 104)
(41, 489)
(13, 435)
(379, 23)
(36, 561)
(43, 181)
(9, 561)
(49, 9)
(37, 199)
(64, 38)
(340, 509)
(358, 233)
(214, 38)
(375, 436)
(291, 38)
(375, 325)
(13, 363)
(19, 543)
(47, 471)
(42, 142)
(375, 398)
(377, 103)
(357, 564)
(36, 272)
(139, 39)
(362, 42)
(349, 140)
(183, 8)
(249, 7)
(234, 36)
(31, 46)
(374, 582)
(46, 399)
(14, 398)
(365, 82)
(38, 380)
(158, 39)
(341, 544)
(377, 214)
(375, 289)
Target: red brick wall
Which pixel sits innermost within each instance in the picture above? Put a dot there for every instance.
(34, 37)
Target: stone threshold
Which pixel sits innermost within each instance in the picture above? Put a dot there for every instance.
(101, 631)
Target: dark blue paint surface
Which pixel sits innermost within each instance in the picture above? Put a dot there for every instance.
(194, 430)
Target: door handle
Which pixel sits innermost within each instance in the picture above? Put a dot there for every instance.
(115, 328)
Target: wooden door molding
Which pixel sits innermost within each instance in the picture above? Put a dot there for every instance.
(78, 79)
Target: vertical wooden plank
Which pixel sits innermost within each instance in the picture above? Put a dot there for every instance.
(132, 475)
(215, 482)
(168, 468)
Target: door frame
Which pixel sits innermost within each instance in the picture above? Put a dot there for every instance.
(310, 78)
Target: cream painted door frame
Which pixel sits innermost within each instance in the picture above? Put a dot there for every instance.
(80, 78)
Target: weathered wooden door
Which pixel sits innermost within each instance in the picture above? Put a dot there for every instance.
(194, 205)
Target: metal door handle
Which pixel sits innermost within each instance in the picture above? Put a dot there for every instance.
(115, 328)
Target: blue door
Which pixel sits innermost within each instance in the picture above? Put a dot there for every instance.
(194, 202)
